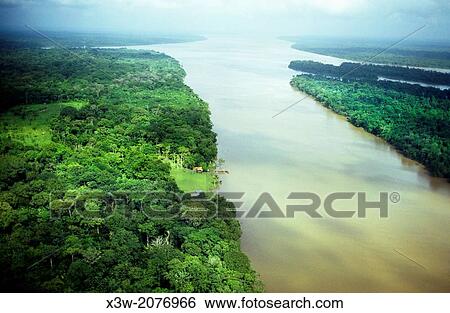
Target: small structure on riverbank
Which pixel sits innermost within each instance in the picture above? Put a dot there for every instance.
(198, 169)
(222, 171)
(197, 193)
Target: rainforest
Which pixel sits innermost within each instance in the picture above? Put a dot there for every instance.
(412, 118)
(90, 140)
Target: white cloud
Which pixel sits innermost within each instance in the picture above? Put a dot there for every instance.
(360, 17)
(334, 7)
(13, 3)
(341, 7)
(253, 7)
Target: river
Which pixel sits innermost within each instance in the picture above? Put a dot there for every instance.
(309, 148)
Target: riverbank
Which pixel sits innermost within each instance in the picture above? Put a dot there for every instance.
(310, 148)
(416, 126)
(87, 201)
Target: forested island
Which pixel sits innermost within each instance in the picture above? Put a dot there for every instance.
(414, 119)
(348, 70)
(411, 53)
(89, 141)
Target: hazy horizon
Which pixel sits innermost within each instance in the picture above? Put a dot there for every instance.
(325, 18)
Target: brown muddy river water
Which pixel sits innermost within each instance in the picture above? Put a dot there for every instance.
(310, 149)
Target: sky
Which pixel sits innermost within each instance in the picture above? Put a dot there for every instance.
(333, 18)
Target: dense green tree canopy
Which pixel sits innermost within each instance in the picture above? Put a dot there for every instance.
(87, 201)
(371, 72)
(418, 126)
